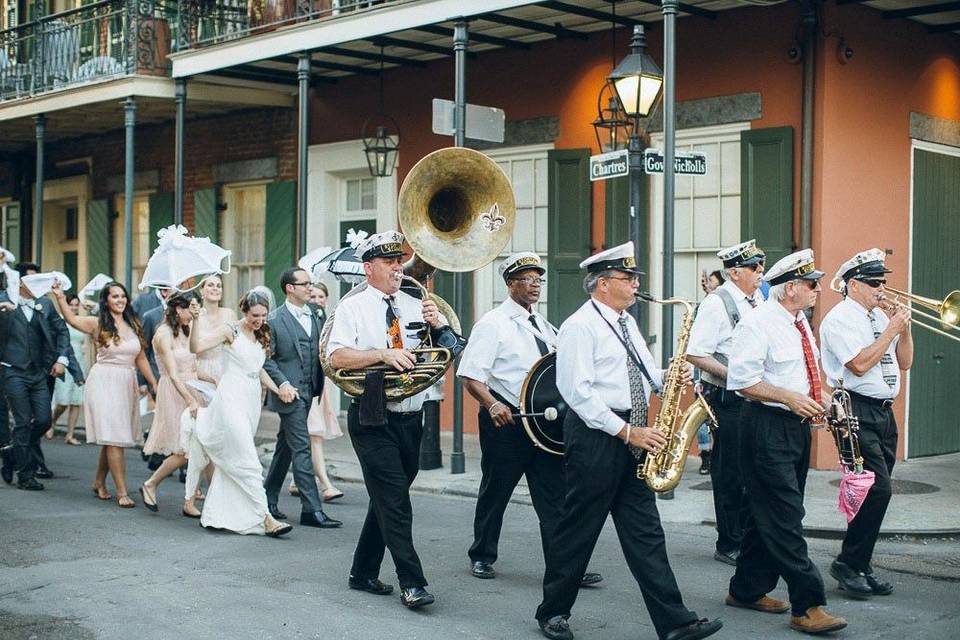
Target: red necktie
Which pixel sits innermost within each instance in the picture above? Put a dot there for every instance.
(813, 372)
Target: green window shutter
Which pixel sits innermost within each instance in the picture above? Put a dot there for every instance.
(205, 218)
(161, 215)
(99, 251)
(766, 190)
(279, 233)
(569, 213)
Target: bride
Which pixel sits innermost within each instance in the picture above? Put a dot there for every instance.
(224, 430)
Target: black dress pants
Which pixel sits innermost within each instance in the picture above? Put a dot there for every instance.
(878, 446)
(506, 454)
(28, 395)
(389, 458)
(774, 459)
(293, 449)
(601, 477)
(729, 501)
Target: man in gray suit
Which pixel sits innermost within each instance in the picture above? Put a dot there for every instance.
(294, 365)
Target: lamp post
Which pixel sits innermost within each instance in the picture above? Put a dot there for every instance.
(382, 146)
(637, 82)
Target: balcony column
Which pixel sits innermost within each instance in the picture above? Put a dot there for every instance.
(41, 125)
(180, 98)
(303, 131)
(129, 120)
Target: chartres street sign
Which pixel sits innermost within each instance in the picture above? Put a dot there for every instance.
(612, 164)
(684, 164)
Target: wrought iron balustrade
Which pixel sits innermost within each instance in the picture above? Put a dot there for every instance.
(100, 40)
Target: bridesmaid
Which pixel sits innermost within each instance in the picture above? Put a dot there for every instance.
(110, 410)
(178, 366)
(322, 422)
(68, 393)
(210, 362)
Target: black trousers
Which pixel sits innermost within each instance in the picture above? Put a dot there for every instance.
(29, 396)
(602, 479)
(774, 459)
(878, 446)
(293, 449)
(4, 417)
(390, 459)
(506, 454)
(729, 501)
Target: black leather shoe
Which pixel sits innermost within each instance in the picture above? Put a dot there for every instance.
(698, 629)
(7, 473)
(481, 569)
(43, 473)
(370, 585)
(415, 597)
(727, 557)
(6, 454)
(590, 579)
(318, 519)
(276, 513)
(556, 628)
(30, 484)
(854, 583)
(879, 587)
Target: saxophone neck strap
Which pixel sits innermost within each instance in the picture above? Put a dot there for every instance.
(627, 346)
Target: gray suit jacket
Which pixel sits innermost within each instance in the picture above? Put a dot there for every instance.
(55, 334)
(286, 360)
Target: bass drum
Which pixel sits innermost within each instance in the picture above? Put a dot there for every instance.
(545, 409)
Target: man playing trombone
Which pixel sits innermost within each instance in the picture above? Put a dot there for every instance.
(865, 349)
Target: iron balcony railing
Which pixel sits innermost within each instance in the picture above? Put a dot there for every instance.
(208, 22)
(100, 40)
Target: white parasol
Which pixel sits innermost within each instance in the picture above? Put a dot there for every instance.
(40, 284)
(180, 258)
(312, 260)
(343, 263)
(93, 287)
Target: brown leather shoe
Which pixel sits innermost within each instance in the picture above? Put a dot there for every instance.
(817, 621)
(765, 604)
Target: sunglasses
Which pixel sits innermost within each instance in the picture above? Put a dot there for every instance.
(873, 283)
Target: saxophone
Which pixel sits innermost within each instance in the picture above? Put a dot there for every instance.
(662, 470)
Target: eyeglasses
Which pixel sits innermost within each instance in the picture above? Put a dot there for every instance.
(754, 267)
(301, 284)
(630, 279)
(529, 280)
(873, 283)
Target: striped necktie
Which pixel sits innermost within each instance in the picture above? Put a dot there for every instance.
(638, 398)
(887, 367)
(813, 371)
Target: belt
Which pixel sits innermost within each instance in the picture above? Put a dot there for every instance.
(622, 413)
(776, 410)
(875, 402)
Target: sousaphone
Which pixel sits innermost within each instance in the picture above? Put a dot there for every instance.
(457, 210)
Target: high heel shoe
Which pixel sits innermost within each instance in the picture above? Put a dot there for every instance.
(151, 506)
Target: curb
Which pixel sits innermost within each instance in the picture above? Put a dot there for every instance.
(836, 533)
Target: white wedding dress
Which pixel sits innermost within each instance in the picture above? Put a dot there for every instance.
(224, 435)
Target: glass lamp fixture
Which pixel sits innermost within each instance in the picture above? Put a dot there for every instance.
(638, 79)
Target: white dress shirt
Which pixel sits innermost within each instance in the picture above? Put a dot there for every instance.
(503, 348)
(360, 322)
(767, 348)
(845, 332)
(302, 315)
(592, 366)
(711, 333)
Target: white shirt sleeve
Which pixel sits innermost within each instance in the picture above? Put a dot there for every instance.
(745, 368)
(575, 375)
(841, 339)
(477, 360)
(705, 334)
(345, 329)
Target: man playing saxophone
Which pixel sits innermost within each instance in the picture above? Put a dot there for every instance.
(774, 365)
(605, 374)
(711, 341)
(866, 348)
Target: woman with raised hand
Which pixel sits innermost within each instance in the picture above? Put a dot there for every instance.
(110, 410)
(67, 392)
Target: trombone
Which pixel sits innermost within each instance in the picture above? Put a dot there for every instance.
(946, 311)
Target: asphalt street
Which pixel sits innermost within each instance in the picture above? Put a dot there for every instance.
(73, 567)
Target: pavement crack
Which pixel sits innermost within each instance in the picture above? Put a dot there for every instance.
(20, 591)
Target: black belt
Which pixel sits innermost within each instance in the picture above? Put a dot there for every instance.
(777, 410)
(875, 402)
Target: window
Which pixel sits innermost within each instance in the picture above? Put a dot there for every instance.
(70, 222)
(243, 232)
(10, 227)
(361, 194)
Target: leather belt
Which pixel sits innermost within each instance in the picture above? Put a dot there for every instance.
(875, 402)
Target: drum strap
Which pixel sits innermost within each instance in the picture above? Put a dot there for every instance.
(628, 347)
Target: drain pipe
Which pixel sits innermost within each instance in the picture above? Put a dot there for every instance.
(806, 152)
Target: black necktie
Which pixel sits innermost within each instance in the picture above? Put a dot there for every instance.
(753, 303)
(541, 345)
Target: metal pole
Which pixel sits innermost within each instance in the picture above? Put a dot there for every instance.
(41, 122)
(806, 155)
(460, 40)
(635, 149)
(180, 98)
(129, 120)
(303, 130)
(669, 152)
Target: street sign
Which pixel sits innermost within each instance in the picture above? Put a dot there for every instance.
(483, 123)
(684, 164)
(612, 164)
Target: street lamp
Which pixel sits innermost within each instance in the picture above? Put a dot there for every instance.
(612, 126)
(381, 147)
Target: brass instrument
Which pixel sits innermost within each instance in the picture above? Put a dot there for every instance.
(845, 428)
(457, 210)
(662, 470)
(947, 311)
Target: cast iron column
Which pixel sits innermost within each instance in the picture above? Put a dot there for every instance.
(180, 98)
(460, 40)
(635, 148)
(129, 120)
(41, 124)
(669, 152)
(303, 124)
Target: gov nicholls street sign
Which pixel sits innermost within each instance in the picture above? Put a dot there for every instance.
(613, 164)
(684, 164)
